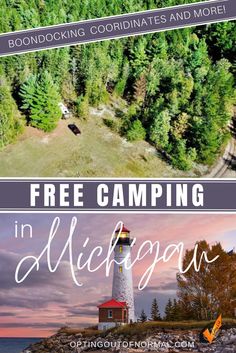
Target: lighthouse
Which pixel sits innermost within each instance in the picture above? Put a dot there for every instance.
(122, 287)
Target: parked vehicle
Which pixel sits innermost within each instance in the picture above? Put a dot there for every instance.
(76, 131)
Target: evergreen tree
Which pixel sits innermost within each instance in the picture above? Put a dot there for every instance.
(143, 316)
(10, 121)
(159, 131)
(177, 310)
(40, 100)
(183, 157)
(169, 311)
(155, 313)
(136, 131)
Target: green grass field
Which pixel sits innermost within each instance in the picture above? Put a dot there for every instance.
(142, 330)
(151, 326)
(97, 152)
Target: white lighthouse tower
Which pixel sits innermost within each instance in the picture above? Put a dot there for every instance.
(122, 287)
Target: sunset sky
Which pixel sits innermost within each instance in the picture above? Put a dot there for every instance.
(46, 301)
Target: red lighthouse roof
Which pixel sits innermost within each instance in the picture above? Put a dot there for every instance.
(113, 304)
(123, 230)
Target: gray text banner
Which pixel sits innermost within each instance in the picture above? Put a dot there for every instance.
(101, 195)
(119, 26)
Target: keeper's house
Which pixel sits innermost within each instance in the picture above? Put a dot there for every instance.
(112, 313)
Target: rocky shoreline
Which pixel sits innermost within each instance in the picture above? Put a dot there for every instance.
(160, 341)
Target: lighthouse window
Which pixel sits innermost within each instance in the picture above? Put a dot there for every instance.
(121, 248)
(120, 269)
(110, 314)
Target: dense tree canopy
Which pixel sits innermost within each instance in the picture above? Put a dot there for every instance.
(180, 82)
(211, 291)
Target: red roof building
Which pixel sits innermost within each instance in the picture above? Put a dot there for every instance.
(113, 304)
(112, 313)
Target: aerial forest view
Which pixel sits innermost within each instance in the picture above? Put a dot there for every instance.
(154, 105)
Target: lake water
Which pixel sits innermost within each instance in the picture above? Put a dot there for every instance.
(15, 345)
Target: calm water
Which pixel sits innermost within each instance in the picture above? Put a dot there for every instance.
(15, 345)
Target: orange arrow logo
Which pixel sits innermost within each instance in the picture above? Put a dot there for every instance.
(210, 336)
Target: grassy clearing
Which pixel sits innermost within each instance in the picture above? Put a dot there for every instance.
(97, 152)
(150, 327)
(141, 330)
